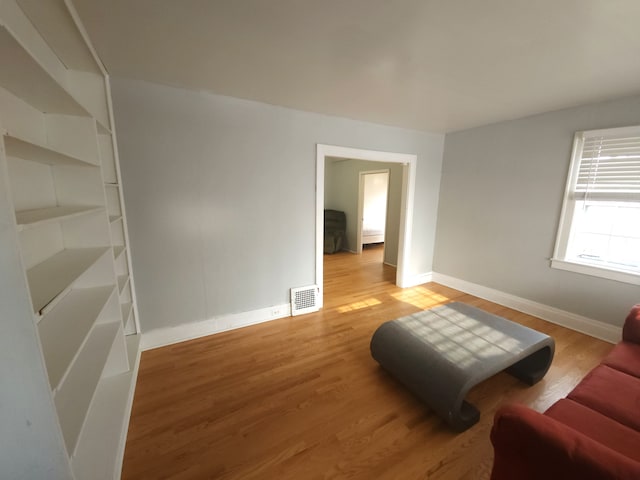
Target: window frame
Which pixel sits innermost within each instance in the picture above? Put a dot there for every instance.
(559, 259)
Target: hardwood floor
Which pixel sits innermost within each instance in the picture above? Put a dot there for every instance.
(301, 397)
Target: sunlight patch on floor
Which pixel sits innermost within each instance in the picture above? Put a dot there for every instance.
(369, 302)
(420, 297)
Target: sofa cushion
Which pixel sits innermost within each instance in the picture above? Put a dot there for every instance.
(612, 393)
(531, 446)
(625, 357)
(597, 426)
(631, 329)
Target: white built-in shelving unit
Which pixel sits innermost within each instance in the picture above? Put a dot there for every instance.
(59, 162)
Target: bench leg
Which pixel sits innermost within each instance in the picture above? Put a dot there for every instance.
(465, 418)
(532, 368)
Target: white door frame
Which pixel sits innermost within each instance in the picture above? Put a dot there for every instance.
(409, 162)
(360, 219)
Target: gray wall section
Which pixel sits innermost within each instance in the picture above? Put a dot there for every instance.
(500, 200)
(220, 197)
(341, 193)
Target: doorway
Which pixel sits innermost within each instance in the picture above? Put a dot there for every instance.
(408, 162)
(373, 193)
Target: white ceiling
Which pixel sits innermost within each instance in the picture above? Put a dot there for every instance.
(435, 65)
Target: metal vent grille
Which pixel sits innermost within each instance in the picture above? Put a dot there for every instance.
(304, 300)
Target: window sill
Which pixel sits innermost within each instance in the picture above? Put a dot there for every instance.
(596, 271)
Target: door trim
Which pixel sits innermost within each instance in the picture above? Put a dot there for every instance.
(409, 162)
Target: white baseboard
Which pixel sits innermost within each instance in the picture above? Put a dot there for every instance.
(166, 336)
(585, 325)
(413, 280)
(161, 337)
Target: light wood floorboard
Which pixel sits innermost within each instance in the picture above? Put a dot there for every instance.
(301, 397)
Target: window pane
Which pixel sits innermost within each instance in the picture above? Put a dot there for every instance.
(629, 223)
(625, 252)
(606, 233)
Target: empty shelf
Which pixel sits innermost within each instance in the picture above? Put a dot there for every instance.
(28, 80)
(38, 216)
(74, 396)
(117, 251)
(17, 147)
(64, 329)
(55, 23)
(122, 282)
(126, 312)
(98, 448)
(50, 278)
(101, 444)
(102, 129)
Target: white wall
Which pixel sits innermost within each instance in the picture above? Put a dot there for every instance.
(501, 195)
(341, 193)
(220, 197)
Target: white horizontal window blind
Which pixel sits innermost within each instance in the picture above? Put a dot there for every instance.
(609, 168)
(599, 231)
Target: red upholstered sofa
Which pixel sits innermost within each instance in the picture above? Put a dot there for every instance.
(593, 433)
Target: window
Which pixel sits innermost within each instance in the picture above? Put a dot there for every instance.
(599, 232)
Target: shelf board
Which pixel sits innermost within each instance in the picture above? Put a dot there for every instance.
(17, 147)
(133, 350)
(102, 441)
(126, 311)
(64, 329)
(31, 82)
(74, 395)
(102, 129)
(39, 216)
(117, 251)
(122, 282)
(98, 447)
(48, 279)
(130, 327)
(54, 22)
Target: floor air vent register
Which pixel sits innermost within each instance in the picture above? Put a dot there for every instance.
(304, 300)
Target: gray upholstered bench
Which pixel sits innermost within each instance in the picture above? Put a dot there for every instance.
(440, 354)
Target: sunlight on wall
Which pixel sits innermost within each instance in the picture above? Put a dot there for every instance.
(420, 297)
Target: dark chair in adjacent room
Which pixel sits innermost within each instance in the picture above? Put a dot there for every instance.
(335, 226)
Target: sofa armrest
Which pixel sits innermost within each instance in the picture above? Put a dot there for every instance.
(631, 329)
(529, 445)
